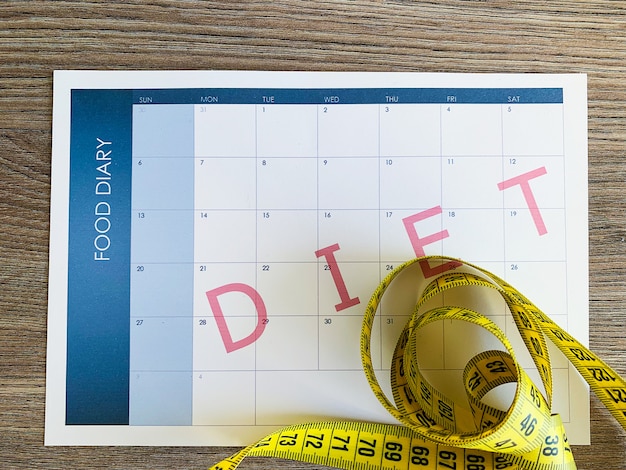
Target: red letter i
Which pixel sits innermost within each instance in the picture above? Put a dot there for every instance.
(329, 254)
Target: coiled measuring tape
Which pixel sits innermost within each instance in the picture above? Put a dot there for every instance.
(430, 437)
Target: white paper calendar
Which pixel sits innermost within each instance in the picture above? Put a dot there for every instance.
(215, 237)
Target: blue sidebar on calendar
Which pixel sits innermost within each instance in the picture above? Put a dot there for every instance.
(99, 252)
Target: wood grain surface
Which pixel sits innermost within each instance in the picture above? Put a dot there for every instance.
(37, 37)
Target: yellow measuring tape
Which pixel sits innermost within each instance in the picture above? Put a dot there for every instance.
(432, 436)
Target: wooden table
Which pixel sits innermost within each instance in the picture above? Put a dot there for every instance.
(38, 36)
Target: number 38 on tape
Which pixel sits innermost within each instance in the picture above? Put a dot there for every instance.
(431, 433)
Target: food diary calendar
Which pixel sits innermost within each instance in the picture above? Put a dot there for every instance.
(215, 237)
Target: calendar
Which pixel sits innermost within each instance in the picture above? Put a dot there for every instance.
(216, 236)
